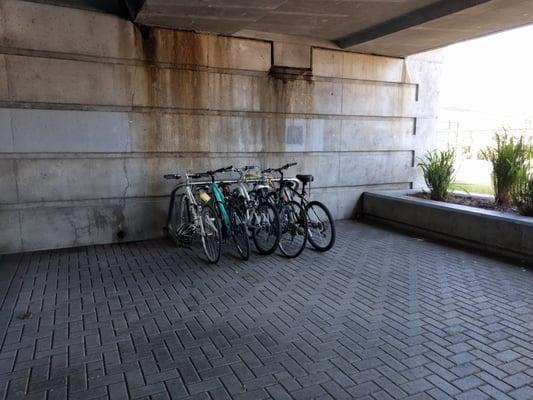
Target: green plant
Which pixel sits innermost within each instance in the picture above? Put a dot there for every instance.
(438, 169)
(522, 193)
(508, 160)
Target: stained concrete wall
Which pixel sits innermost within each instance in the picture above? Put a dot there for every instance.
(92, 114)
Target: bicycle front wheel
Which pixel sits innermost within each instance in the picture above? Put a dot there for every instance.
(293, 229)
(239, 233)
(320, 225)
(211, 235)
(266, 231)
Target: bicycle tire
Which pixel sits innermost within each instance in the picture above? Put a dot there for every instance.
(177, 219)
(320, 225)
(273, 226)
(239, 233)
(211, 231)
(293, 223)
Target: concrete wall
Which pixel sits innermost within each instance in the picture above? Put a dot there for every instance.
(92, 114)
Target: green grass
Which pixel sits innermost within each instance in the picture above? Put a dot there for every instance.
(479, 188)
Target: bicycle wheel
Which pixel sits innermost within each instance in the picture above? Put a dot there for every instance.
(211, 238)
(173, 219)
(320, 225)
(239, 232)
(178, 227)
(293, 229)
(266, 231)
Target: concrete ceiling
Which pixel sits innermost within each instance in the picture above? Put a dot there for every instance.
(387, 27)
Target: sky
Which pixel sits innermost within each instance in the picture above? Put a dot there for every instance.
(493, 74)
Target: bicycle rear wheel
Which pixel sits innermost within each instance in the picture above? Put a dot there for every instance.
(266, 232)
(239, 233)
(293, 229)
(211, 237)
(180, 227)
(321, 227)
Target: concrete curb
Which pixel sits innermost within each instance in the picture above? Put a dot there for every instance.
(493, 232)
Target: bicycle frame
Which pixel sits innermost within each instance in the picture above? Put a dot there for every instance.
(218, 202)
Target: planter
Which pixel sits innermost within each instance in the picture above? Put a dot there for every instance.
(490, 231)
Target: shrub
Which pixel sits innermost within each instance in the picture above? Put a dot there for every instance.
(508, 160)
(438, 169)
(522, 193)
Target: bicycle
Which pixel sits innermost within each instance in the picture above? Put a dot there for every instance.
(229, 210)
(262, 218)
(321, 226)
(294, 228)
(192, 219)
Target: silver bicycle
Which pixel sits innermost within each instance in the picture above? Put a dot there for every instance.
(262, 218)
(188, 218)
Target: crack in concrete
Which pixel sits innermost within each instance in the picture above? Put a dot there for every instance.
(119, 214)
(72, 224)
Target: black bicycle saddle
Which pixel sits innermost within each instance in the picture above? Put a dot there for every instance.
(305, 178)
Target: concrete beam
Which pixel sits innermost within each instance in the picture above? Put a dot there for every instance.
(117, 7)
(133, 7)
(413, 18)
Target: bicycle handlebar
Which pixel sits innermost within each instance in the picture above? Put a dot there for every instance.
(209, 174)
(172, 176)
(225, 169)
(280, 169)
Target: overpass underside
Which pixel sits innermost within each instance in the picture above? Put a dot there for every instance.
(98, 99)
(396, 28)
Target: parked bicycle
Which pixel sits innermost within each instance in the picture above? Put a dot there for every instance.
(229, 210)
(270, 210)
(292, 215)
(262, 218)
(188, 218)
(321, 232)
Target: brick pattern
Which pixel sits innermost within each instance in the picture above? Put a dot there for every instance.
(381, 316)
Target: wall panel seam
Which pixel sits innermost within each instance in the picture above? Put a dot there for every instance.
(25, 105)
(91, 202)
(77, 155)
(185, 67)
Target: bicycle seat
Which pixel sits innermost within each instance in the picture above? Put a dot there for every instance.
(172, 176)
(305, 178)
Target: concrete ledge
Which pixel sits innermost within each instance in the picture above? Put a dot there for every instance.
(489, 231)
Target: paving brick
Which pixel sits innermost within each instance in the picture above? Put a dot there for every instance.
(474, 394)
(380, 316)
(507, 355)
(438, 394)
(278, 392)
(468, 382)
(524, 393)
(416, 386)
(518, 380)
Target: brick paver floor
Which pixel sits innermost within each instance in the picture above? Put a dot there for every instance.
(381, 316)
